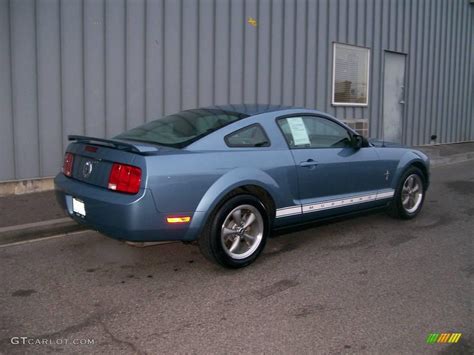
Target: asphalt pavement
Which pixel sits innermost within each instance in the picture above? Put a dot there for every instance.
(370, 284)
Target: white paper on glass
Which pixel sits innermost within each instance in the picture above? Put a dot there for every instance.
(298, 130)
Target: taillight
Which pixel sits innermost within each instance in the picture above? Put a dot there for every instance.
(67, 165)
(125, 178)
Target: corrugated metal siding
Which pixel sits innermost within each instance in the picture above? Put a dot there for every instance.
(97, 67)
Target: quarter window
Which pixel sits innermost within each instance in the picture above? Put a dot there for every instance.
(251, 136)
(350, 75)
(314, 132)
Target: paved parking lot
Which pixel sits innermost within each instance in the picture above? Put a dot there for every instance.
(366, 284)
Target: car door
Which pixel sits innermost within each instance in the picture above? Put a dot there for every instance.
(333, 176)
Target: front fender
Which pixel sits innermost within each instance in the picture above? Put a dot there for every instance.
(411, 157)
(221, 187)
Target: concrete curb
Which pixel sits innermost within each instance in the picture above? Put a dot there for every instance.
(20, 187)
(38, 230)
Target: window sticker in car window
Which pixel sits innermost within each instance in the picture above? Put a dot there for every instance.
(298, 131)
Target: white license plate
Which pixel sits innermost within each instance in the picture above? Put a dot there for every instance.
(78, 207)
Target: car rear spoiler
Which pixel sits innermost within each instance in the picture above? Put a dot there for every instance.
(107, 142)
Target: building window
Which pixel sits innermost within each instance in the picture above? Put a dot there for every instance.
(350, 85)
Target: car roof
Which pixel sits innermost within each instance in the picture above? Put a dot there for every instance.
(252, 109)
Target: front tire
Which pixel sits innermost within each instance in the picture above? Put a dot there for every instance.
(409, 195)
(236, 232)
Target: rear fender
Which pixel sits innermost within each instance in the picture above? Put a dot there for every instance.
(224, 185)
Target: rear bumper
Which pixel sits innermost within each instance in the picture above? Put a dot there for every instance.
(121, 216)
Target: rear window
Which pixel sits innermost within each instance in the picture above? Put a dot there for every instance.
(183, 128)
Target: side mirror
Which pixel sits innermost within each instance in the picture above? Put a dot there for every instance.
(357, 141)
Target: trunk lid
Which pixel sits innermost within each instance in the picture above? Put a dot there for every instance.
(94, 158)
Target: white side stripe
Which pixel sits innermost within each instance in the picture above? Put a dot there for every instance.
(288, 211)
(329, 204)
(382, 195)
(326, 205)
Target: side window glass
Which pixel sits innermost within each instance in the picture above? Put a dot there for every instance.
(251, 136)
(313, 132)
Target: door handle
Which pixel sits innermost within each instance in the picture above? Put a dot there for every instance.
(310, 163)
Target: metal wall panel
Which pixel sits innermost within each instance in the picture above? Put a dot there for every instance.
(23, 41)
(72, 71)
(115, 81)
(155, 64)
(222, 54)
(276, 45)
(205, 52)
(237, 17)
(135, 62)
(250, 53)
(49, 84)
(323, 68)
(311, 55)
(94, 67)
(7, 148)
(98, 67)
(172, 56)
(289, 54)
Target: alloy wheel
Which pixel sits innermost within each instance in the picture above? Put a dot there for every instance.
(412, 193)
(242, 231)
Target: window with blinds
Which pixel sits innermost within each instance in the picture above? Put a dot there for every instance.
(350, 75)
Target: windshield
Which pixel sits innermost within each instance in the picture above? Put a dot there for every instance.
(183, 128)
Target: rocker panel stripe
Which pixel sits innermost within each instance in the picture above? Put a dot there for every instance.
(330, 204)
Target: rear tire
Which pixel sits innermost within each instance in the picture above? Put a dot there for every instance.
(409, 195)
(236, 232)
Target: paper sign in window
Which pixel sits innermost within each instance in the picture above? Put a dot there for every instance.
(298, 131)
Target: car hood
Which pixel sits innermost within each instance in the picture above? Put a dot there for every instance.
(384, 144)
(380, 143)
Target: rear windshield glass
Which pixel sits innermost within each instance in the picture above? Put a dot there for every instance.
(183, 128)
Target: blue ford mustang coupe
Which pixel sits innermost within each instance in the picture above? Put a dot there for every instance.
(227, 175)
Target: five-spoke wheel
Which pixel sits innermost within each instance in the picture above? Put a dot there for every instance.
(236, 232)
(412, 193)
(409, 195)
(242, 231)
